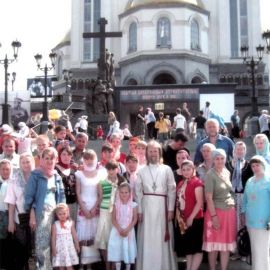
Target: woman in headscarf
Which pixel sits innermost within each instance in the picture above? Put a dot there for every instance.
(220, 216)
(63, 167)
(240, 172)
(18, 226)
(44, 190)
(261, 144)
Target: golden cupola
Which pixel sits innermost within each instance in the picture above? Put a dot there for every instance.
(137, 3)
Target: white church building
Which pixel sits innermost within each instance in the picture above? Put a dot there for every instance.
(166, 42)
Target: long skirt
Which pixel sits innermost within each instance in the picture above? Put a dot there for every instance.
(259, 241)
(43, 239)
(224, 238)
(191, 241)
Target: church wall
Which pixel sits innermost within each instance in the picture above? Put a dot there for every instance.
(182, 69)
(254, 26)
(180, 28)
(76, 33)
(223, 31)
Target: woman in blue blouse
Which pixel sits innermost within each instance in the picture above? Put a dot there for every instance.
(256, 211)
(44, 190)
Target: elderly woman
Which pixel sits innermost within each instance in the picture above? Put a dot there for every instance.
(261, 144)
(44, 190)
(220, 216)
(15, 200)
(256, 211)
(207, 163)
(240, 171)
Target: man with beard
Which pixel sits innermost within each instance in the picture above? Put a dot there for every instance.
(213, 136)
(155, 193)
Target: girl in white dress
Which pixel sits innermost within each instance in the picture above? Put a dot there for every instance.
(64, 239)
(88, 199)
(122, 242)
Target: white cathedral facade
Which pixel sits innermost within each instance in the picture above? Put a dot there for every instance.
(164, 41)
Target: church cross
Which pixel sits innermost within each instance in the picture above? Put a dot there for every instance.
(102, 35)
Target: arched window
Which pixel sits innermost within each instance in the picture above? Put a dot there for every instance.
(80, 84)
(132, 38)
(60, 67)
(196, 79)
(92, 13)
(73, 85)
(132, 82)
(164, 78)
(164, 33)
(195, 35)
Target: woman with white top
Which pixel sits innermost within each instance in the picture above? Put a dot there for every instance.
(15, 200)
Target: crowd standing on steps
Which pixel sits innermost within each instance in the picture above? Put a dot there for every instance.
(65, 206)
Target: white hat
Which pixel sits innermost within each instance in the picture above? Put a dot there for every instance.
(24, 130)
(6, 129)
(21, 125)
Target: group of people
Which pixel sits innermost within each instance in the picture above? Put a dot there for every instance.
(138, 210)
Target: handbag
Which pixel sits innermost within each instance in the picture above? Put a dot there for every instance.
(243, 242)
(89, 254)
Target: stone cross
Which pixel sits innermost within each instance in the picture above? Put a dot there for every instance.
(102, 35)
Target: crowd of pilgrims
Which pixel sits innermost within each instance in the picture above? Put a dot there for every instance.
(63, 208)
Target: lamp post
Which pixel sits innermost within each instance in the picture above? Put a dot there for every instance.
(252, 66)
(5, 107)
(46, 68)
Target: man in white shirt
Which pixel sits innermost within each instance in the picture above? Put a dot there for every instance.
(264, 122)
(83, 124)
(9, 147)
(179, 121)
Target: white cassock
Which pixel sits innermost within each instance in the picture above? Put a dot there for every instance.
(153, 251)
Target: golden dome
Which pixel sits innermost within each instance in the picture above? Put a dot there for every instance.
(137, 3)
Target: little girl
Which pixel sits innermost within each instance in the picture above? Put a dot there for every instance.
(122, 242)
(189, 204)
(107, 190)
(64, 239)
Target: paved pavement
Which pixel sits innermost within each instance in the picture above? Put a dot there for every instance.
(233, 265)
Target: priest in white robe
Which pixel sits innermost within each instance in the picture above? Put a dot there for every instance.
(155, 195)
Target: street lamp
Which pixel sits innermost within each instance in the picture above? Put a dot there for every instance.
(67, 77)
(252, 66)
(5, 107)
(45, 112)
